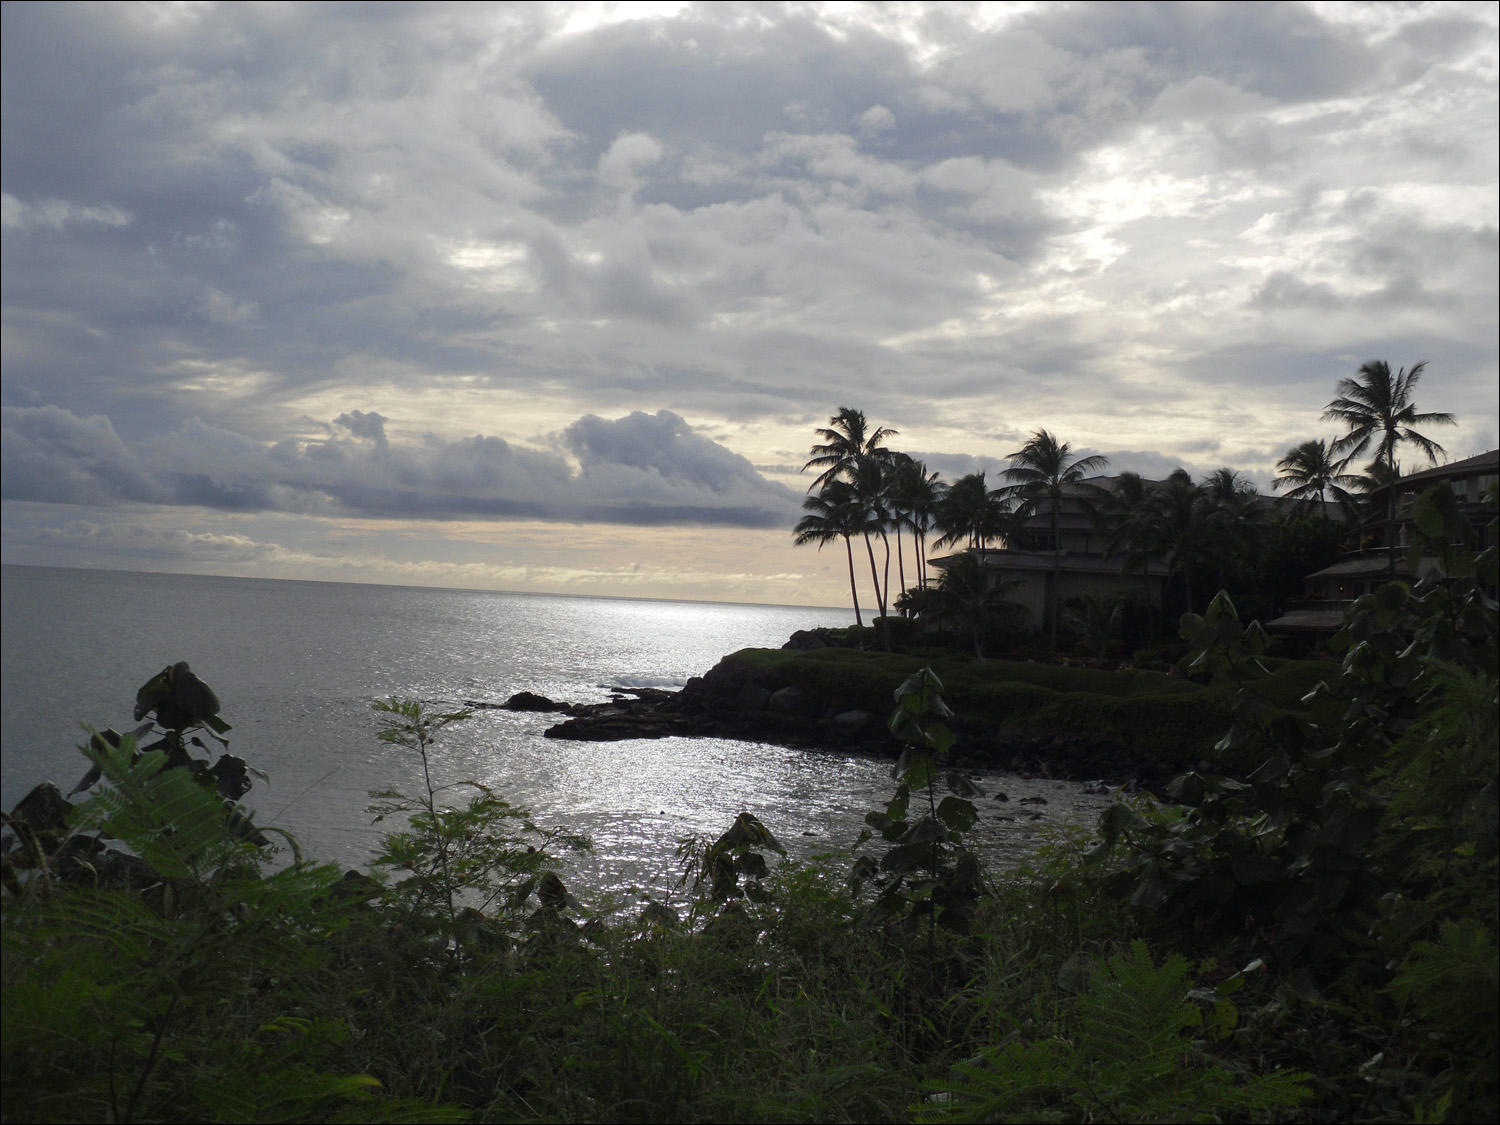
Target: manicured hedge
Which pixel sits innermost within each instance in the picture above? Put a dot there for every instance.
(1172, 719)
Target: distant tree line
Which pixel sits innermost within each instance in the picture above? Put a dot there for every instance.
(1210, 534)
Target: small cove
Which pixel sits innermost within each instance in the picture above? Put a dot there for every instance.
(297, 664)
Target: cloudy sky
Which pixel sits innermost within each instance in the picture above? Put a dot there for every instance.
(551, 297)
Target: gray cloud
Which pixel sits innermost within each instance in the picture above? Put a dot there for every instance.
(1104, 219)
(642, 469)
(365, 425)
(55, 214)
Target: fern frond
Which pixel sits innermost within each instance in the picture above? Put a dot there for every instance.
(171, 821)
(1019, 1082)
(1133, 1013)
(1129, 1061)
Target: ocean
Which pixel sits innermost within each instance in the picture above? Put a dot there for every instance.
(296, 666)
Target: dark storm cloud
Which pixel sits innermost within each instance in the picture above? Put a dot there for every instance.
(642, 469)
(659, 444)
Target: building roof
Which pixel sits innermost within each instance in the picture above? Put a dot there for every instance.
(1363, 566)
(1311, 620)
(1479, 463)
(1079, 563)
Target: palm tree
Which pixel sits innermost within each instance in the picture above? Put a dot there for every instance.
(832, 514)
(850, 455)
(1042, 471)
(846, 440)
(893, 495)
(1125, 512)
(1236, 519)
(1376, 404)
(1180, 529)
(1308, 471)
(1097, 620)
(969, 511)
(869, 484)
(925, 499)
(914, 496)
(968, 593)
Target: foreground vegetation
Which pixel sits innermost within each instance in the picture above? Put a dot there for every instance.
(1315, 942)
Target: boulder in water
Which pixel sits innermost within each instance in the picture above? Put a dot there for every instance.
(531, 701)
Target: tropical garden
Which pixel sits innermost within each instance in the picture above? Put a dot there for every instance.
(1299, 927)
(1202, 536)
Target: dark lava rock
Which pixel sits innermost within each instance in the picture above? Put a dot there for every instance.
(752, 697)
(852, 723)
(531, 701)
(790, 700)
(805, 640)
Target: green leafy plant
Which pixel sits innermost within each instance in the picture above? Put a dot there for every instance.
(462, 862)
(1365, 832)
(927, 872)
(1287, 850)
(1128, 1050)
(1096, 619)
(122, 1003)
(182, 706)
(737, 854)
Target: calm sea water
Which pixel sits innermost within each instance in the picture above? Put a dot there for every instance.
(296, 666)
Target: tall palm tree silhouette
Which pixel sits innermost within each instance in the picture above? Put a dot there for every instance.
(851, 455)
(1377, 406)
(1125, 513)
(833, 513)
(870, 482)
(1043, 470)
(1309, 471)
(846, 440)
(971, 512)
(915, 494)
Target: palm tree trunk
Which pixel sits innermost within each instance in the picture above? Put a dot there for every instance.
(875, 575)
(852, 588)
(886, 541)
(900, 562)
(1390, 534)
(885, 625)
(1056, 577)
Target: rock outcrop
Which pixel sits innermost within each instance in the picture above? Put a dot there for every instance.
(727, 702)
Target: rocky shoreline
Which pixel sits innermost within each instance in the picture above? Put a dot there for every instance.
(727, 702)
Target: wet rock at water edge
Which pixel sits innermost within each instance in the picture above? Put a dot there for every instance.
(790, 700)
(751, 697)
(851, 723)
(531, 701)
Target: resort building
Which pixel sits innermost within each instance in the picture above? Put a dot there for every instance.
(1329, 592)
(1078, 562)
